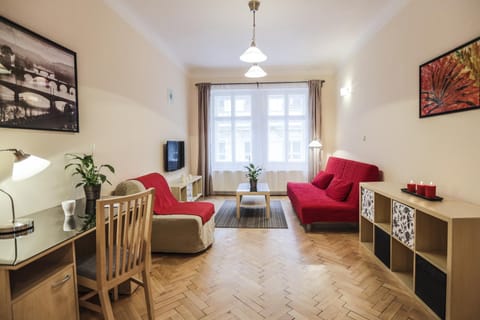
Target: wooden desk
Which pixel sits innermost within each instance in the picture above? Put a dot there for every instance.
(38, 270)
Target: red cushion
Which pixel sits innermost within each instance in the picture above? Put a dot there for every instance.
(204, 210)
(352, 171)
(322, 179)
(339, 189)
(166, 203)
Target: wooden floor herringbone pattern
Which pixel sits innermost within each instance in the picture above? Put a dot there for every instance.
(273, 274)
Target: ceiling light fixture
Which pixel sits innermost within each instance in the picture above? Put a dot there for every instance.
(255, 72)
(253, 54)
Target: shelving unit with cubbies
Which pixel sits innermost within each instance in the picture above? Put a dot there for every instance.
(430, 246)
(188, 189)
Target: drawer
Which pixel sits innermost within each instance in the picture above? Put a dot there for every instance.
(403, 227)
(382, 246)
(368, 204)
(52, 299)
(431, 285)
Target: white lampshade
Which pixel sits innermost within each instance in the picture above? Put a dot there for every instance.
(28, 166)
(315, 144)
(253, 55)
(24, 166)
(255, 72)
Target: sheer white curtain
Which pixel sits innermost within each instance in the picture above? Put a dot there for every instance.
(265, 124)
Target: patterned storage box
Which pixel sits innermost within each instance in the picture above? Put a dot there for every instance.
(368, 205)
(403, 223)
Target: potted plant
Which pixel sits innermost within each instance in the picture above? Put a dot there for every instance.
(253, 172)
(91, 176)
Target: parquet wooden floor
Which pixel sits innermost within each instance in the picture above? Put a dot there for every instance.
(274, 274)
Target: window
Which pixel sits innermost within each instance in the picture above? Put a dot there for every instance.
(265, 124)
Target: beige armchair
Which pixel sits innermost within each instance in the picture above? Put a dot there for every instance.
(176, 233)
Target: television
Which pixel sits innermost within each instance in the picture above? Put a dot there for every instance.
(174, 155)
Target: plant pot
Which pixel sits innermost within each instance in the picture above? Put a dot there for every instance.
(253, 185)
(92, 192)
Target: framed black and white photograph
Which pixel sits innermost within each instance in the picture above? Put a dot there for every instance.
(38, 81)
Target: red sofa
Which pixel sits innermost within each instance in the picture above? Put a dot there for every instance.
(314, 204)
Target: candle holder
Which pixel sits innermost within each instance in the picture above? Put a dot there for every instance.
(411, 186)
(435, 198)
(421, 189)
(430, 190)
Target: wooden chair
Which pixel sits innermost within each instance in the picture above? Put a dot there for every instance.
(123, 232)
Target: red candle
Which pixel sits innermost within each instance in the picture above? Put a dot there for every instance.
(421, 188)
(411, 186)
(430, 190)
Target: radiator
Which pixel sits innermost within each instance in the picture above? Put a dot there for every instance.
(226, 182)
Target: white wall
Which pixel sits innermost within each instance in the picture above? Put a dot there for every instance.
(122, 86)
(383, 105)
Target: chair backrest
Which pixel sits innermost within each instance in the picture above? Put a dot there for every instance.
(123, 230)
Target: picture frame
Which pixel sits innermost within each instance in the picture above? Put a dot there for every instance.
(451, 82)
(38, 81)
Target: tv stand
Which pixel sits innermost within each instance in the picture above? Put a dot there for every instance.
(189, 189)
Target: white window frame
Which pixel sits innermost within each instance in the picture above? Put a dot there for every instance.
(259, 119)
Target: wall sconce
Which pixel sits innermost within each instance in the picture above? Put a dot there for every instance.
(24, 166)
(345, 91)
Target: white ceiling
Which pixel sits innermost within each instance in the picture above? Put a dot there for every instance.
(211, 35)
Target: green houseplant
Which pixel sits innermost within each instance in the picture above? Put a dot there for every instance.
(91, 176)
(253, 172)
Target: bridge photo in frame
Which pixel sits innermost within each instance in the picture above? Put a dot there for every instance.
(38, 81)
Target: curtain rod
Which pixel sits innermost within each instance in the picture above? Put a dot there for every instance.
(257, 83)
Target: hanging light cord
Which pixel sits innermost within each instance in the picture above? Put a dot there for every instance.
(254, 25)
(254, 5)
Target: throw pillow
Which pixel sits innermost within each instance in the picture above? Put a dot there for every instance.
(322, 179)
(339, 189)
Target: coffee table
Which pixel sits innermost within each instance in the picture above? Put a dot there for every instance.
(244, 190)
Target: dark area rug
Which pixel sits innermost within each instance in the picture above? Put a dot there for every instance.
(250, 217)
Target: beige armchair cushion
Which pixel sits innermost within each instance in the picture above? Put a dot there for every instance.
(174, 233)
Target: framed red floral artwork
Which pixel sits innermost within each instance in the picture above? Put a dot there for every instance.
(451, 82)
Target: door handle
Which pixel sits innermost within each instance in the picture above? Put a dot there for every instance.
(61, 282)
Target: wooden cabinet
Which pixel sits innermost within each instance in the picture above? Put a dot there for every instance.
(189, 190)
(44, 288)
(53, 298)
(432, 247)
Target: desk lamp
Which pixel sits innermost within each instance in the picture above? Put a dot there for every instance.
(24, 166)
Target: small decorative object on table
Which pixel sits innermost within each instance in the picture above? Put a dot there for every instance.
(411, 186)
(430, 190)
(68, 207)
(424, 191)
(421, 189)
(91, 176)
(253, 172)
(91, 179)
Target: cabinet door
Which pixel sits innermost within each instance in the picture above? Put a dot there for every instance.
(403, 223)
(431, 285)
(382, 246)
(55, 298)
(368, 205)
